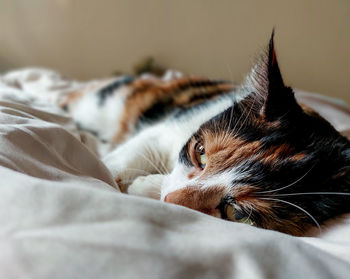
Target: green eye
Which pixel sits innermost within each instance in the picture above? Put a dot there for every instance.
(236, 216)
(230, 212)
(246, 220)
(201, 158)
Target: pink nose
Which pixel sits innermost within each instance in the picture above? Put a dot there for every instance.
(204, 200)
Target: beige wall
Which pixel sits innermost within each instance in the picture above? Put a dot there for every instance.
(92, 38)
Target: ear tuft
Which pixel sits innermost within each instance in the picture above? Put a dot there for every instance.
(270, 98)
(272, 52)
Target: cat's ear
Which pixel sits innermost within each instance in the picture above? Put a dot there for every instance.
(270, 97)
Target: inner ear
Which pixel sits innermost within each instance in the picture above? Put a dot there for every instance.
(270, 98)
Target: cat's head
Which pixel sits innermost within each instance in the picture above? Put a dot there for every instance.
(267, 161)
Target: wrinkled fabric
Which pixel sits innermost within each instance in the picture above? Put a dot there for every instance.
(63, 216)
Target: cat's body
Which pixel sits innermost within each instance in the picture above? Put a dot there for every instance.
(248, 154)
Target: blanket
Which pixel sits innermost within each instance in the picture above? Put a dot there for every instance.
(63, 216)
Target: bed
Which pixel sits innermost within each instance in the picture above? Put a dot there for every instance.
(63, 216)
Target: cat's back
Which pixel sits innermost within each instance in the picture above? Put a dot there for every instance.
(119, 107)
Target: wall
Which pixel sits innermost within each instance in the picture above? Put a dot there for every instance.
(88, 38)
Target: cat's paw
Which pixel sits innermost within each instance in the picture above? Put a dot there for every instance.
(125, 169)
(126, 177)
(147, 186)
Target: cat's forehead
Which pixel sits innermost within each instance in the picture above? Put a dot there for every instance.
(225, 150)
(242, 121)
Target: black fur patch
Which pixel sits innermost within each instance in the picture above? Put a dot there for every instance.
(110, 88)
(184, 157)
(307, 181)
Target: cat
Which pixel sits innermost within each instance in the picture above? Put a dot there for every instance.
(249, 153)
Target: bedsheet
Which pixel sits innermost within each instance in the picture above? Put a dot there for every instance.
(63, 216)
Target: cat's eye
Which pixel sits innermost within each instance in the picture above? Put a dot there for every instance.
(237, 216)
(200, 156)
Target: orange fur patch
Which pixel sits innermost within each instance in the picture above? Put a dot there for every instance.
(72, 97)
(203, 200)
(75, 95)
(186, 92)
(275, 154)
(224, 151)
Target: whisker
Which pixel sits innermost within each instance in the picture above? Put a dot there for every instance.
(138, 170)
(162, 164)
(300, 208)
(314, 193)
(231, 115)
(228, 67)
(151, 163)
(289, 185)
(250, 213)
(227, 126)
(239, 119)
(246, 118)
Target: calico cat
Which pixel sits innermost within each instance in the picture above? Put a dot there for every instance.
(247, 154)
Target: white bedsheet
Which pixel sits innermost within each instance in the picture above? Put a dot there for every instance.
(62, 215)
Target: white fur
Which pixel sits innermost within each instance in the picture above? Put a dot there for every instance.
(156, 149)
(103, 119)
(147, 186)
(178, 179)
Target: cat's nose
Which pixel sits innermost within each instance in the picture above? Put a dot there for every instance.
(205, 200)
